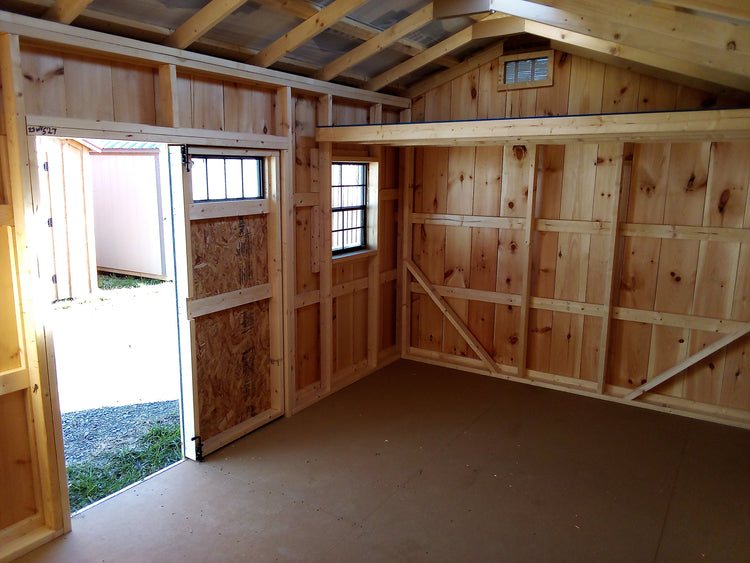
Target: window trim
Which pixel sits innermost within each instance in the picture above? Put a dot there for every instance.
(371, 208)
(550, 54)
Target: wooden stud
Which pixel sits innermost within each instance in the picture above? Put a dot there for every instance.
(407, 203)
(325, 151)
(373, 233)
(528, 235)
(283, 115)
(167, 114)
(276, 311)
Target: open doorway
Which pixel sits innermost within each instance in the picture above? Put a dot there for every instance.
(113, 310)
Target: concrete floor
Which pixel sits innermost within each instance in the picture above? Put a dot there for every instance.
(417, 463)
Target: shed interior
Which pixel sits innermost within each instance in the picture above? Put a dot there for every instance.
(588, 234)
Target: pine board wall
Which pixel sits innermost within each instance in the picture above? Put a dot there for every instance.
(668, 291)
(77, 86)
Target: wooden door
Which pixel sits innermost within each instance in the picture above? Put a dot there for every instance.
(229, 295)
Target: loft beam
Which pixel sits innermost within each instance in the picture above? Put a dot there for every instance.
(709, 125)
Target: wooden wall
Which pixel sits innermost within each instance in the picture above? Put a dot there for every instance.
(85, 87)
(93, 92)
(348, 301)
(608, 308)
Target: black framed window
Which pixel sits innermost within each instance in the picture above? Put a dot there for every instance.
(224, 178)
(348, 206)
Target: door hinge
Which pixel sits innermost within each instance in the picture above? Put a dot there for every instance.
(185, 157)
(49, 222)
(46, 166)
(54, 278)
(198, 448)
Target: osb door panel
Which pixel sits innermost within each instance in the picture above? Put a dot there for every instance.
(232, 303)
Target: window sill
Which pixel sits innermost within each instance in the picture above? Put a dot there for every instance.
(356, 255)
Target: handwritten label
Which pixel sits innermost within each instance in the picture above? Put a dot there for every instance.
(41, 130)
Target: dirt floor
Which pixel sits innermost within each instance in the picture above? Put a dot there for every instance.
(117, 347)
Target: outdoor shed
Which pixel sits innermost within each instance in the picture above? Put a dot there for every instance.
(552, 193)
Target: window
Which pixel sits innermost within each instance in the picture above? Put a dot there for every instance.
(349, 206)
(222, 178)
(526, 70)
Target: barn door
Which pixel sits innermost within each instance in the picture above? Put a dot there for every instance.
(229, 295)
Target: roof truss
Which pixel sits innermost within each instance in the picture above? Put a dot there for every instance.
(702, 43)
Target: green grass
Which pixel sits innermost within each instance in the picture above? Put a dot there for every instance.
(89, 482)
(120, 281)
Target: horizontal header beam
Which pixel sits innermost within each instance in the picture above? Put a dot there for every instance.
(709, 125)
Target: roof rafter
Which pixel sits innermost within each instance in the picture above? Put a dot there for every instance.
(446, 46)
(65, 11)
(118, 25)
(684, 36)
(727, 8)
(305, 31)
(201, 22)
(377, 43)
(493, 26)
(475, 61)
(643, 61)
(304, 9)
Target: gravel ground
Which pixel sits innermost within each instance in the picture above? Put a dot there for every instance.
(89, 433)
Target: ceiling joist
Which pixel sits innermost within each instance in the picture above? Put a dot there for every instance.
(201, 22)
(382, 40)
(305, 31)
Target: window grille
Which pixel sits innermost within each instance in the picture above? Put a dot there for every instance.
(348, 206)
(224, 178)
